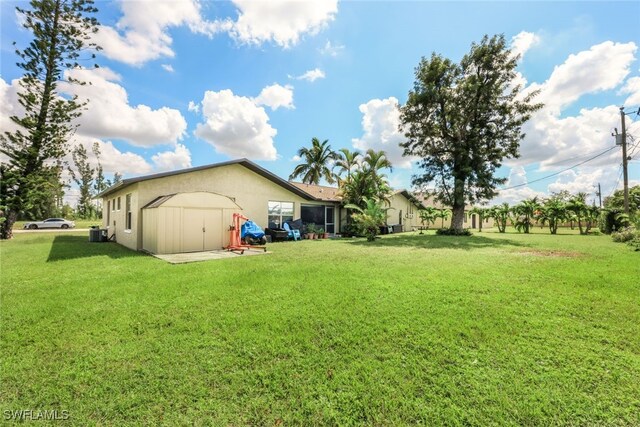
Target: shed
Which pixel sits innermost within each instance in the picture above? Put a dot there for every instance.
(187, 222)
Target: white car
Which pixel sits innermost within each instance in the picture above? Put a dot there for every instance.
(50, 223)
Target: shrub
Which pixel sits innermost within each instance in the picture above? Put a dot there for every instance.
(635, 243)
(625, 235)
(351, 230)
(453, 232)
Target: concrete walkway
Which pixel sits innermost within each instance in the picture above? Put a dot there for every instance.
(205, 256)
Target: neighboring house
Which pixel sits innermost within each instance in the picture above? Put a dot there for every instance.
(471, 220)
(404, 210)
(191, 209)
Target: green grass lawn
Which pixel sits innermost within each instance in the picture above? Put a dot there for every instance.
(495, 329)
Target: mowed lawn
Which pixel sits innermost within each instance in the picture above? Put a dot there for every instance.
(495, 329)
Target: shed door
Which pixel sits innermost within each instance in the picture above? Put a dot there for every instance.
(202, 230)
(193, 230)
(212, 229)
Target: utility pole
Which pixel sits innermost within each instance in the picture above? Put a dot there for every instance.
(599, 193)
(625, 174)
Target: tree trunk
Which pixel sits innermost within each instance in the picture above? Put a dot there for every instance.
(6, 228)
(457, 208)
(457, 218)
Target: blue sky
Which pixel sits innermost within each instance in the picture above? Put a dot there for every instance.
(184, 83)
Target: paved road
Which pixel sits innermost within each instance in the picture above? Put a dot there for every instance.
(51, 230)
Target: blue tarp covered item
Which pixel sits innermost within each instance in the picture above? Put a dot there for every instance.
(251, 229)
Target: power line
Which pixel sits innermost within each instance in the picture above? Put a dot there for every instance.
(617, 181)
(558, 173)
(574, 158)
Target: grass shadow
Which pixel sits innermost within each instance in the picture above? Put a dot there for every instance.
(431, 241)
(67, 247)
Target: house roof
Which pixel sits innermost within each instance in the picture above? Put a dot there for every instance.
(158, 201)
(410, 197)
(320, 192)
(242, 162)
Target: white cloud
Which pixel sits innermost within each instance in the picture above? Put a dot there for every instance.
(236, 126)
(9, 105)
(576, 181)
(380, 123)
(111, 159)
(522, 42)
(180, 158)
(276, 96)
(168, 68)
(517, 176)
(330, 49)
(295, 158)
(552, 138)
(311, 75)
(603, 67)
(282, 22)
(142, 34)
(109, 115)
(631, 87)
(193, 107)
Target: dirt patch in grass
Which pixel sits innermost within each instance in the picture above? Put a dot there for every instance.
(549, 253)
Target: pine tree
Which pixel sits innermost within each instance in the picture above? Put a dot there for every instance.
(61, 33)
(462, 120)
(84, 176)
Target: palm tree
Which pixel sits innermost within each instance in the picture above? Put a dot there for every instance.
(591, 217)
(428, 215)
(524, 214)
(372, 164)
(315, 164)
(375, 161)
(482, 213)
(366, 181)
(443, 214)
(552, 213)
(347, 161)
(578, 210)
(356, 188)
(500, 215)
(370, 217)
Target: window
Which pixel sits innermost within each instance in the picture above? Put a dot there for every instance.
(127, 205)
(108, 211)
(313, 214)
(118, 203)
(113, 205)
(279, 213)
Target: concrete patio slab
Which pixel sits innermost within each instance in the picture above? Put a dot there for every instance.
(205, 256)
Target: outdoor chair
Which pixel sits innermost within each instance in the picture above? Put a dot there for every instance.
(293, 233)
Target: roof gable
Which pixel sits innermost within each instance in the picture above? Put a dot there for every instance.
(242, 162)
(320, 192)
